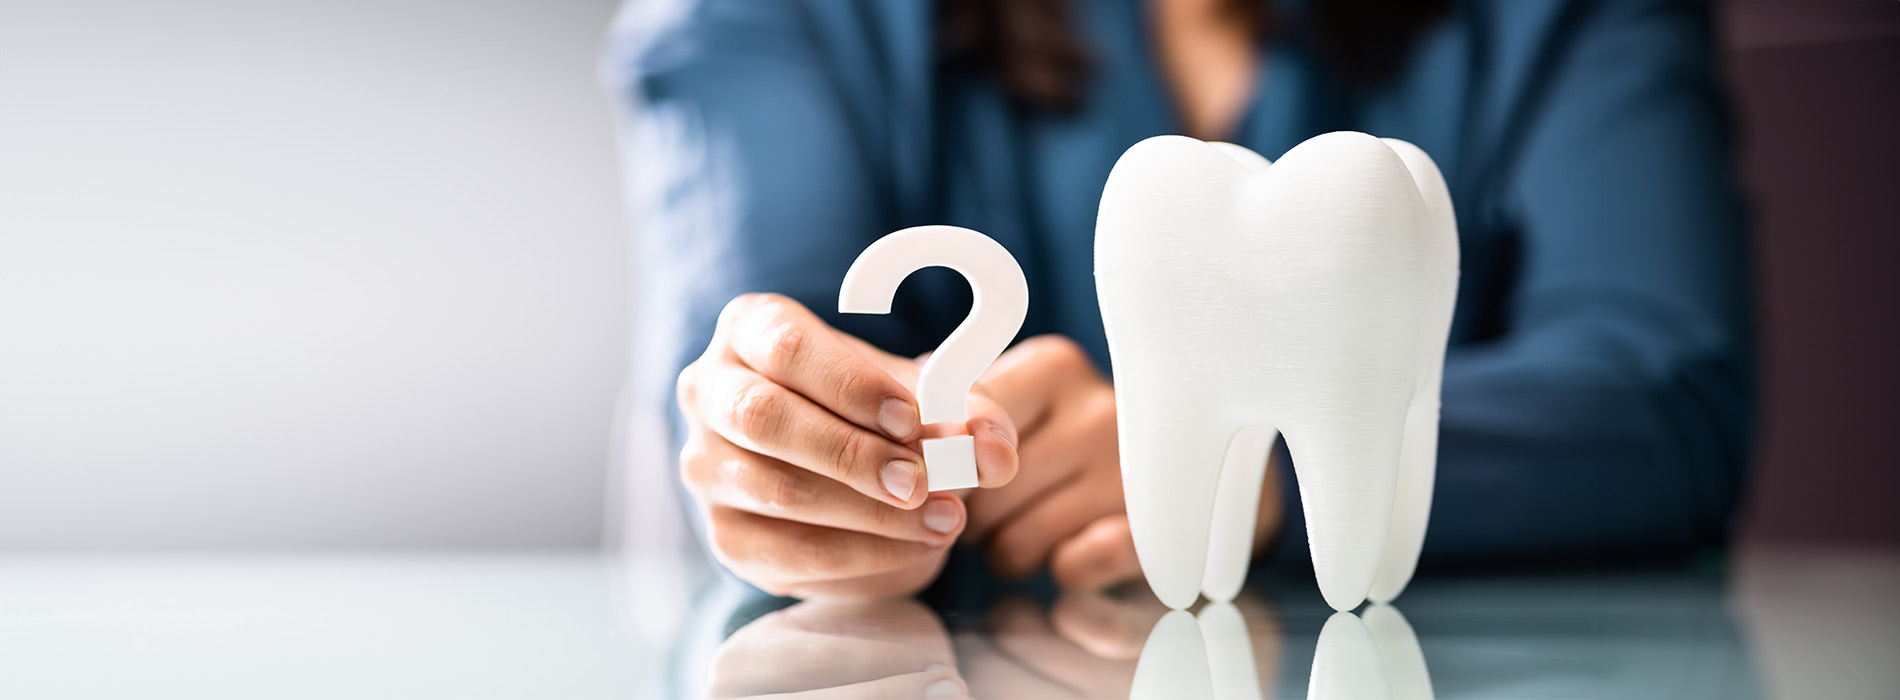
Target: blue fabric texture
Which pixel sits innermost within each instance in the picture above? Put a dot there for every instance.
(1598, 389)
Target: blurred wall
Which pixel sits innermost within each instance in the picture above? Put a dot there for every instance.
(306, 274)
(1817, 88)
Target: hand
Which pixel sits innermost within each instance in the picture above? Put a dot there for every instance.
(839, 648)
(1066, 510)
(802, 453)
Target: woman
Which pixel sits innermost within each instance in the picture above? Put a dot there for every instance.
(1597, 390)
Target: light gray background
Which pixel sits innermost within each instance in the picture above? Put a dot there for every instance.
(281, 274)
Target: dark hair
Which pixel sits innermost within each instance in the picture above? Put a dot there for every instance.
(1031, 48)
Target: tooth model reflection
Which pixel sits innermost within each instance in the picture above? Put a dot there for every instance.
(1373, 657)
(1211, 656)
(1310, 297)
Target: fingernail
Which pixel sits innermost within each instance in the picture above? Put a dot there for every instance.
(897, 418)
(940, 515)
(942, 690)
(900, 478)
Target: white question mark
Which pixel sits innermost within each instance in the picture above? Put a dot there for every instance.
(1001, 302)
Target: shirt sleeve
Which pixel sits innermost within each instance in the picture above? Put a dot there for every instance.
(747, 173)
(1612, 414)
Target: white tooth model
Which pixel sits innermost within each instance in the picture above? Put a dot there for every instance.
(1310, 297)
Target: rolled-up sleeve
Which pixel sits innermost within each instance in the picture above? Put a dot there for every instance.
(1615, 412)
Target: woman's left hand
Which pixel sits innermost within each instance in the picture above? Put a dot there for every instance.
(1065, 508)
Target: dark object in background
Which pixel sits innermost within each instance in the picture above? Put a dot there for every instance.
(1032, 47)
(1815, 88)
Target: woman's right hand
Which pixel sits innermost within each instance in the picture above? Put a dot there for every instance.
(803, 455)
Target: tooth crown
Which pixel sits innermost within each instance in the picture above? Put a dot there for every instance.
(1309, 297)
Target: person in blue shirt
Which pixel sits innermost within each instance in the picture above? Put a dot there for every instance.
(1597, 393)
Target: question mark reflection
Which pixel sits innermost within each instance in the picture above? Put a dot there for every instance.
(1087, 645)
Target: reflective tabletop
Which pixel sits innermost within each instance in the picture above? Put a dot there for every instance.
(1764, 623)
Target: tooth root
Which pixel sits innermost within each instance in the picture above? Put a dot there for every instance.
(1418, 463)
(1412, 502)
(1346, 662)
(1399, 653)
(1236, 509)
(1230, 666)
(1171, 462)
(1346, 477)
(1173, 661)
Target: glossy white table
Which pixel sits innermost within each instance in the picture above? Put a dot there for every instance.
(1786, 623)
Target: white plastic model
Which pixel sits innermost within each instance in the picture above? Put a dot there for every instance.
(1001, 302)
(1309, 298)
(1371, 656)
(1210, 655)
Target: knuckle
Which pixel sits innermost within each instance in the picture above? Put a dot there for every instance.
(723, 538)
(692, 455)
(686, 386)
(756, 410)
(738, 307)
(1100, 410)
(1060, 349)
(853, 385)
(856, 453)
(786, 342)
(776, 490)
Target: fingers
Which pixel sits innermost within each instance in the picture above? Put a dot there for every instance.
(720, 473)
(1110, 626)
(996, 438)
(1024, 545)
(832, 643)
(995, 672)
(784, 342)
(782, 555)
(762, 416)
(1101, 555)
(1030, 638)
(1036, 376)
(990, 423)
(940, 683)
(902, 582)
(1078, 438)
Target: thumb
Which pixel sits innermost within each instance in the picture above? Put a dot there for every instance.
(996, 440)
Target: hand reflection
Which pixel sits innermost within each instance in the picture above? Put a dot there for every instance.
(840, 648)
